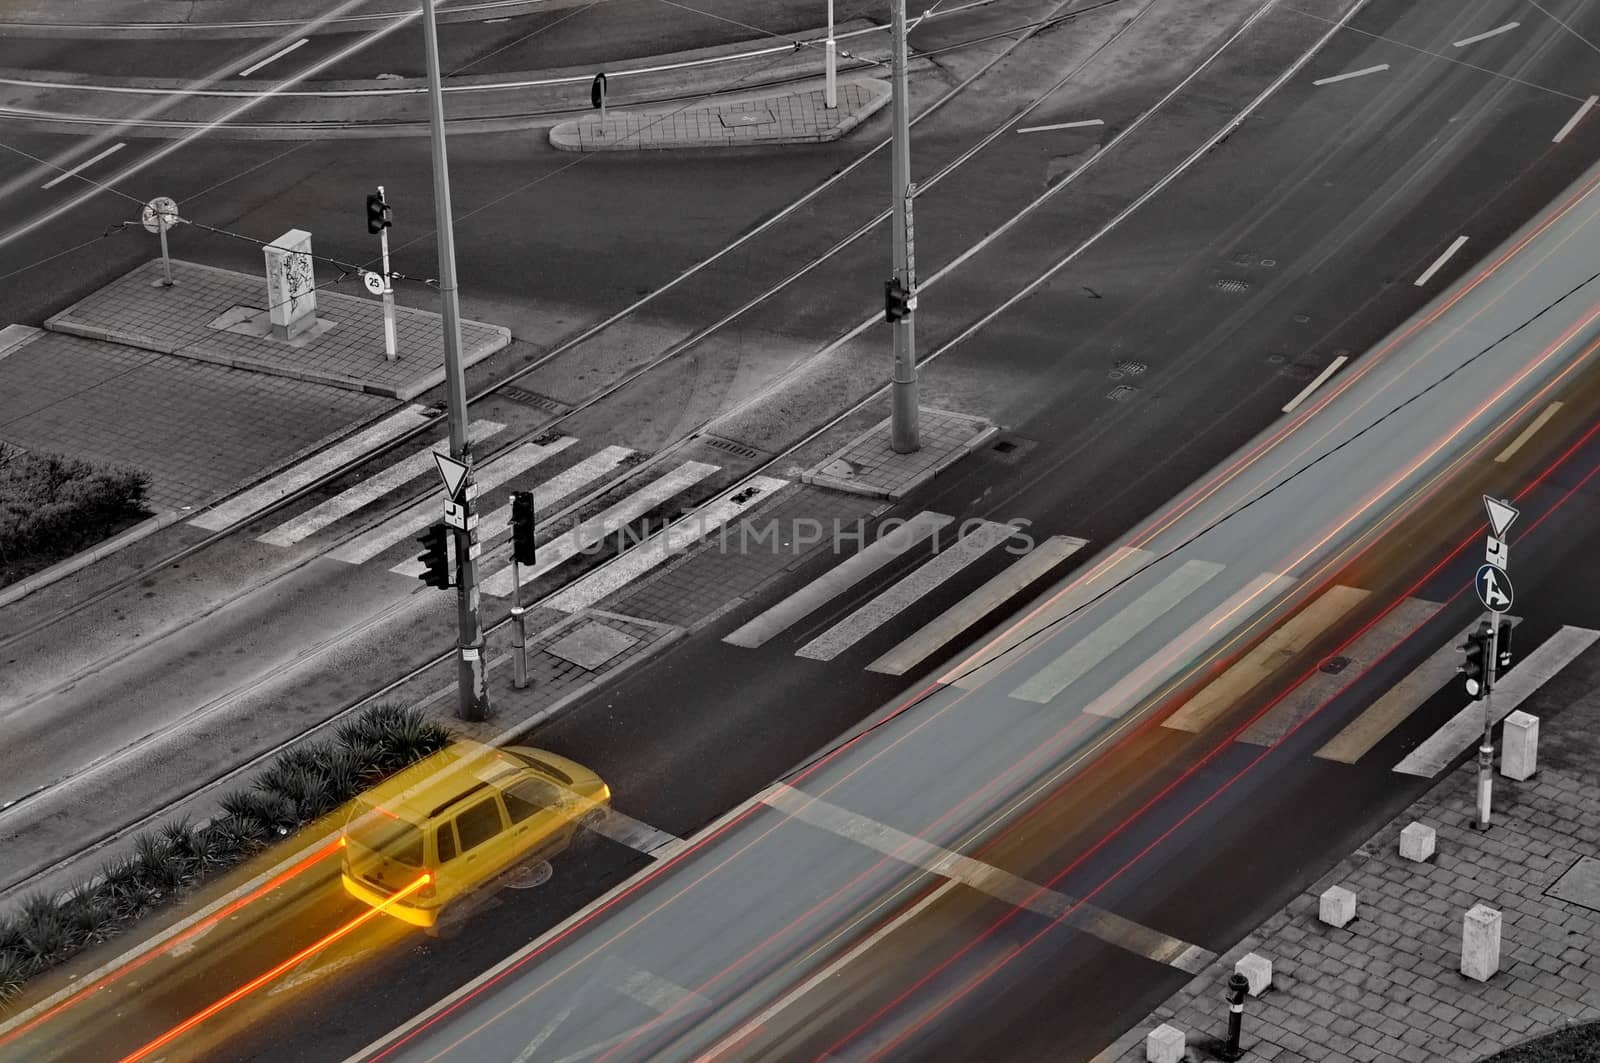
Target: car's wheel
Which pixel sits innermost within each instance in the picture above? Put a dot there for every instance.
(532, 876)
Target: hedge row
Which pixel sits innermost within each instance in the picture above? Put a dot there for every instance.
(300, 785)
(51, 507)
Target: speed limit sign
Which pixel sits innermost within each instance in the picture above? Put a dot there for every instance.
(373, 281)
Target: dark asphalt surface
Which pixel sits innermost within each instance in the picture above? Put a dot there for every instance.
(1095, 470)
(1215, 377)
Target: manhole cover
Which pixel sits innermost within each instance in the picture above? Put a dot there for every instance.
(591, 646)
(746, 117)
(1232, 285)
(1335, 665)
(1131, 368)
(1302, 319)
(1580, 885)
(1121, 393)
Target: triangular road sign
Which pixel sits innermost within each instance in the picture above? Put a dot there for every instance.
(452, 472)
(1501, 514)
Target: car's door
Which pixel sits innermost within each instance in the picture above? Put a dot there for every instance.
(481, 832)
(540, 816)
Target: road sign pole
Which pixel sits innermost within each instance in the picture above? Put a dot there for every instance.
(472, 680)
(831, 51)
(904, 436)
(166, 259)
(1486, 747)
(389, 346)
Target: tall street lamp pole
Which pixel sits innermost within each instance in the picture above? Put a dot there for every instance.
(904, 436)
(471, 678)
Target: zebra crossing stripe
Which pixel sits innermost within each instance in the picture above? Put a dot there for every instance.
(837, 580)
(369, 490)
(489, 475)
(248, 503)
(546, 496)
(676, 538)
(592, 532)
(1150, 674)
(950, 624)
(1115, 633)
(919, 582)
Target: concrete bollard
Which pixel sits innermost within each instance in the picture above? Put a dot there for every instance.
(1338, 906)
(1257, 971)
(1417, 841)
(1165, 1044)
(1519, 753)
(1480, 942)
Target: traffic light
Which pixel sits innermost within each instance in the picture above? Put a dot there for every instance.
(435, 556)
(896, 300)
(522, 545)
(378, 215)
(1477, 660)
(1502, 648)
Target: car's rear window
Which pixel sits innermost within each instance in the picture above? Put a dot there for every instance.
(382, 832)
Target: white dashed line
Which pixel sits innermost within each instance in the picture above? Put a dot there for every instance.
(1528, 433)
(1321, 379)
(58, 178)
(1497, 31)
(1062, 125)
(1353, 74)
(1577, 116)
(274, 57)
(1439, 262)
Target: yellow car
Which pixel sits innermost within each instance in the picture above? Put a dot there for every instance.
(461, 817)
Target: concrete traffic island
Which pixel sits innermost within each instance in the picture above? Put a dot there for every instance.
(735, 122)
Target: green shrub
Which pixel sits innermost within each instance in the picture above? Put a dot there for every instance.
(299, 786)
(52, 506)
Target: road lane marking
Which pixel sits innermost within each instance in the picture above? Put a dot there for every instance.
(1321, 379)
(285, 483)
(1049, 609)
(1528, 432)
(1062, 125)
(837, 580)
(977, 605)
(986, 878)
(1143, 681)
(489, 475)
(1572, 123)
(1439, 262)
(1497, 31)
(654, 551)
(85, 164)
(636, 834)
(1116, 632)
(1287, 641)
(1309, 696)
(1352, 74)
(546, 496)
(274, 57)
(593, 532)
(916, 584)
(1466, 727)
(1396, 704)
(369, 490)
(659, 994)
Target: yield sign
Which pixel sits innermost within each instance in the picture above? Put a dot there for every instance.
(1501, 514)
(452, 472)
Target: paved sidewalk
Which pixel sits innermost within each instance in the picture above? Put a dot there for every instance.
(868, 465)
(209, 316)
(198, 430)
(774, 118)
(1387, 987)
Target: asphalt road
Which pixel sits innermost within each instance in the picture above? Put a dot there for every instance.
(1153, 307)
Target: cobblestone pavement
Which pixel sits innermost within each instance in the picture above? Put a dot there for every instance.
(786, 118)
(1387, 987)
(198, 430)
(197, 318)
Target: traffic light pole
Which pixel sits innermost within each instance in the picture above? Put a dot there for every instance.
(904, 435)
(831, 64)
(1486, 747)
(519, 629)
(471, 678)
(389, 344)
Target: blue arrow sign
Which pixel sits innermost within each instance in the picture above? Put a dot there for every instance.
(1494, 588)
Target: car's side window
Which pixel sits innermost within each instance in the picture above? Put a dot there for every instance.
(447, 843)
(478, 824)
(528, 796)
